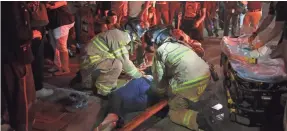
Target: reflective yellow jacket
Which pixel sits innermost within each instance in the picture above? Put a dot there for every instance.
(109, 44)
(176, 67)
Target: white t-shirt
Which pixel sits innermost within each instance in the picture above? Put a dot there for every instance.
(135, 8)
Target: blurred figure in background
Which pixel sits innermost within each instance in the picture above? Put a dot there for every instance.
(121, 8)
(39, 19)
(162, 12)
(84, 24)
(112, 20)
(103, 7)
(193, 15)
(232, 12)
(61, 21)
(148, 14)
(134, 12)
(221, 13)
(253, 14)
(211, 18)
(174, 8)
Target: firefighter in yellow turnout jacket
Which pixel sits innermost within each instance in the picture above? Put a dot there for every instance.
(106, 55)
(178, 73)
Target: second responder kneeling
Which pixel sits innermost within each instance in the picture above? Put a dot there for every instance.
(180, 74)
(106, 56)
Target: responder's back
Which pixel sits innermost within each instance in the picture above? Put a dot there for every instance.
(106, 42)
(181, 62)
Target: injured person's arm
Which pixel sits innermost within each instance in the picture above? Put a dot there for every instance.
(131, 97)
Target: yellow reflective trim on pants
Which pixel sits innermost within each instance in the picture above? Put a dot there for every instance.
(91, 61)
(161, 91)
(191, 85)
(102, 89)
(194, 99)
(187, 116)
(100, 45)
(196, 80)
(201, 89)
(177, 55)
(94, 58)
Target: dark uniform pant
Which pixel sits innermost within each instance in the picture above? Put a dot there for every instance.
(19, 93)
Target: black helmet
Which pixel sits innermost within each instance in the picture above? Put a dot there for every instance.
(136, 26)
(158, 34)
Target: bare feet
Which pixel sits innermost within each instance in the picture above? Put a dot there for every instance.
(109, 123)
(107, 127)
(111, 117)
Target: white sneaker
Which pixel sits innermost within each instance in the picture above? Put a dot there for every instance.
(44, 92)
(52, 70)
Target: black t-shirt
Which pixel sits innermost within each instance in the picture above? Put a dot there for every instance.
(59, 17)
(192, 9)
(280, 10)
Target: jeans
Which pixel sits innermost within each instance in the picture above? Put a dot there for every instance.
(210, 25)
(227, 18)
(221, 13)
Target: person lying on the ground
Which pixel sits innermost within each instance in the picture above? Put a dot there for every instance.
(131, 97)
(106, 56)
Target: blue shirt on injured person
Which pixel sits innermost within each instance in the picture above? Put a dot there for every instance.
(134, 93)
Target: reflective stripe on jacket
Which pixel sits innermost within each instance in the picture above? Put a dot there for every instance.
(109, 44)
(177, 67)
